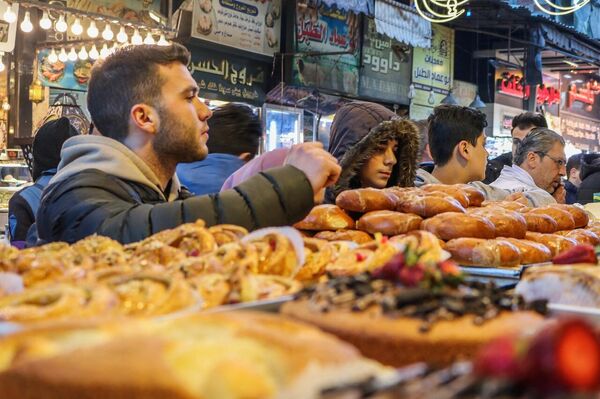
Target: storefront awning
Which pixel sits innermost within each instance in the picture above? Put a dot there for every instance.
(402, 23)
(365, 6)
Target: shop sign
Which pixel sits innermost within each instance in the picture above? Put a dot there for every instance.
(385, 74)
(433, 68)
(70, 75)
(582, 133)
(131, 10)
(512, 84)
(253, 26)
(224, 77)
(582, 94)
(327, 30)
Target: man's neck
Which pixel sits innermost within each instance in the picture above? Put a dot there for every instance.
(448, 174)
(164, 169)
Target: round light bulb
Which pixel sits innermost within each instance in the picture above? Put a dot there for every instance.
(45, 22)
(113, 48)
(162, 41)
(52, 57)
(149, 39)
(94, 54)
(2, 66)
(62, 56)
(76, 28)
(9, 15)
(122, 36)
(6, 105)
(83, 54)
(104, 52)
(136, 38)
(92, 30)
(61, 25)
(72, 56)
(26, 25)
(107, 33)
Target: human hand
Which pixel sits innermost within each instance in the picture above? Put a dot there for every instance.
(560, 194)
(518, 197)
(320, 167)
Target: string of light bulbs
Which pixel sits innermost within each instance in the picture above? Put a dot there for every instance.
(562, 10)
(440, 11)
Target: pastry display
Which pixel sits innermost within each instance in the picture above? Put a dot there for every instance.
(456, 225)
(359, 237)
(225, 355)
(564, 220)
(477, 251)
(326, 217)
(555, 243)
(389, 223)
(506, 223)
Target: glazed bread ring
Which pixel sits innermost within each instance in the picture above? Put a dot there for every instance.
(192, 238)
(531, 251)
(480, 252)
(448, 190)
(152, 252)
(428, 206)
(226, 259)
(388, 223)
(563, 219)
(276, 255)
(582, 236)
(580, 216)
(213, 288)
(540, 223)
(318, 253)
(507, 223)
(227, 233)
(326, 217)
(455, 225)
(359, 237)
(554, 242)
(366, 200)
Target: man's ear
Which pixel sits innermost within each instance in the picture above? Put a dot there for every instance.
(531, 159)
(145, 117)
(463, 150)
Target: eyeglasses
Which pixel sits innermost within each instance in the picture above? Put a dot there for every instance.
(559, 162)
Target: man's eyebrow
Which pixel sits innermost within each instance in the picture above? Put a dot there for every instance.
(193, 89)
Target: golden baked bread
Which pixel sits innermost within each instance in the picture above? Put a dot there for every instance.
(276, 255)
(448, 190)
(422, 242)
(507, 223)
(563, 218)
(540, 223)
(554, 242)
(366, 200)
(481, 252)
(510, 205)
(531, 251)
(318, 253)
(326, 217)
(456, 225)
(389, 223)
(428, 205)
(359, 237)
(582, 236)
(367, 257)
(580, 217)
(212, 356)
(227, 233)
(193, 239)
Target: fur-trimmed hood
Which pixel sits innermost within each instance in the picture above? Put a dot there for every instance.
(358, 131)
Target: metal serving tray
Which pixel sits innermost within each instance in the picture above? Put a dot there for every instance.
(589, 313)
(267, 305)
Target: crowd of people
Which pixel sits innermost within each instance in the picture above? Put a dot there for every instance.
(160, 158)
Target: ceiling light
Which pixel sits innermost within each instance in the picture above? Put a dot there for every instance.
(94, 54)
(162, 41)
(52, 57)
(9, 15)
(26, 25)
(83, 54)
(107, 33)
(45, 22)
(104, 51)
(76, 28)
(136, 38)
(2, 66)
(72, 56)
(122, 35)
(149, 39)
(61, 25)
(62, 56)
(92, 30)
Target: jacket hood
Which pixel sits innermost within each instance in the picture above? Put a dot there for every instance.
(111, 157)
(590, 164)
(358, 131)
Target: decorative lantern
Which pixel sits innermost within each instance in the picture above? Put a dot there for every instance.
(36, 91)
(66, 105)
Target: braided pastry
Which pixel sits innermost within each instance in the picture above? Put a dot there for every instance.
(540, 223)
(151, 252)
(509, 205)
(554, 242)
(225, 259)
(318, 253)
(366, 200)
(276, 255)
(507, 223)
(449, 191)
(456, 225)
(422, 242)
(213, 288)
(389, 223)
(531, 251)
(563, 219)
(428, 205)
(326, 217)
(582, 236)
(192, 238)
(227, 233)
(256, 287)
(480, 252)
(359, 237)
(580, 217)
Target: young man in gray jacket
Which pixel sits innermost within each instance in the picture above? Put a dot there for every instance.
(122, 184)
(457, 146)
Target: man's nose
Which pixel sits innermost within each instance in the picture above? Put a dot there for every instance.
(204, 113)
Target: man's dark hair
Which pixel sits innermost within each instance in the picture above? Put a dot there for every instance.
(423, 137)
(574, 161)
(234, 129)
(129, 76)
(448, 126)
(529, 119)
(540, 141)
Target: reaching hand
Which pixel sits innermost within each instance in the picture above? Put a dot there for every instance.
(560, 194)
(320, 167)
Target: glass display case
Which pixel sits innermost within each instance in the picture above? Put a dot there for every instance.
(284, 126)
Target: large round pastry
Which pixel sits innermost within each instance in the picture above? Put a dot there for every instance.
(399, 326)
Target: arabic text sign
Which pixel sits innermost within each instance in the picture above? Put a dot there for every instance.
(327, 30)
(224, 77)
(434, 66)
(387, 66)
(582, 133)
(247, 25)
(511, 84)
(581, 94)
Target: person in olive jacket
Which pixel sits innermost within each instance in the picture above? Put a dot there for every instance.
(122, 184)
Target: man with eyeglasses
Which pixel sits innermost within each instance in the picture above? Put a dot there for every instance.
(521, 125)
(539, 162)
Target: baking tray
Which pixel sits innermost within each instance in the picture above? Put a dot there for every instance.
(267, 305)
(589, 313)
